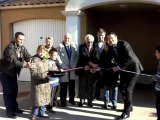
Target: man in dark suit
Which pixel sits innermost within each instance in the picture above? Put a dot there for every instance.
(13, 59)
(101, 33)
(127, 60)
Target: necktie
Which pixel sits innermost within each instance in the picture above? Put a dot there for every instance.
(89, 49)
(69, 51)
(115, 49)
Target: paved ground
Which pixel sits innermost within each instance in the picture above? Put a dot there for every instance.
(143, 109)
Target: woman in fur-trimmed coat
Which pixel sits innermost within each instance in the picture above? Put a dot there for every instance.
(40, 87)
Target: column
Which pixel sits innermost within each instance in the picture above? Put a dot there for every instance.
(73, 24)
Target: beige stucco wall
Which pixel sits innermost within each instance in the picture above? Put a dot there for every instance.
(10, 16)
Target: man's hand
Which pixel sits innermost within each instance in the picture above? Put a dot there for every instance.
(86, 68)
(115, 69)
(93, 65)
(28, 65)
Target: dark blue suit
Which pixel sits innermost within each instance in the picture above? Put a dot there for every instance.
(127, 60)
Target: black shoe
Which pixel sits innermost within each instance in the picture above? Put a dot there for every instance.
(48, 107)
(51, 110)
(123, 116)
(12, 115)
(63, 105)
(105, 106)
(55, 103)
(131, 109)
(19, 111)
(72, 103)
(114, 107)
(90, 105)
(44, 115)
(80, 104)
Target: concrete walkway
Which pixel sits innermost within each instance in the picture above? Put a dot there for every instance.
(143, 101)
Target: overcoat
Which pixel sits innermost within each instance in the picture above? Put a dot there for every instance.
(66, 63)
(40, 87)
(85, 57)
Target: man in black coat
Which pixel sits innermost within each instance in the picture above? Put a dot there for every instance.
(13, 59)
(88, 58)
(100, 44)
(126, 60)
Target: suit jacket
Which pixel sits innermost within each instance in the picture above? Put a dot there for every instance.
(66, 63)
(97, 44)
(10, 64)
(127, 59)
(85, 57)
(108, 59)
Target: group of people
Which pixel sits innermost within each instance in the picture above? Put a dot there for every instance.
(113, 57)
(104, 62)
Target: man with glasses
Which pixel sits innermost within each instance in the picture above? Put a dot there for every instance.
(88, 58)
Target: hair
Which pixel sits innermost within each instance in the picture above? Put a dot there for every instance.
(52, 50)
(68, 34)
(89, 36)
(40, 47)
(17, 34)
(113, 33)
(49, 38)
(101, 30)
(158, 47)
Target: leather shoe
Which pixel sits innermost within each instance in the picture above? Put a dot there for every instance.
(44, 115)
(105, 106)
(19, 111)
(123, 116)
(114, 107)
(12, 115)
(80, 104)
(72, 103)
(63, 105)
(90, 105)
(51, 110)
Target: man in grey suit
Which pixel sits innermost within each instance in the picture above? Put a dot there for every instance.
(126, 60)
(68, 53)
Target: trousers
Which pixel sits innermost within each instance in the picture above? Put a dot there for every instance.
(10, 91)
(63, 91)
(110, 95)
(127, 83)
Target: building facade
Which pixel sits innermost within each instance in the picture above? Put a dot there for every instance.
(136, 21)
